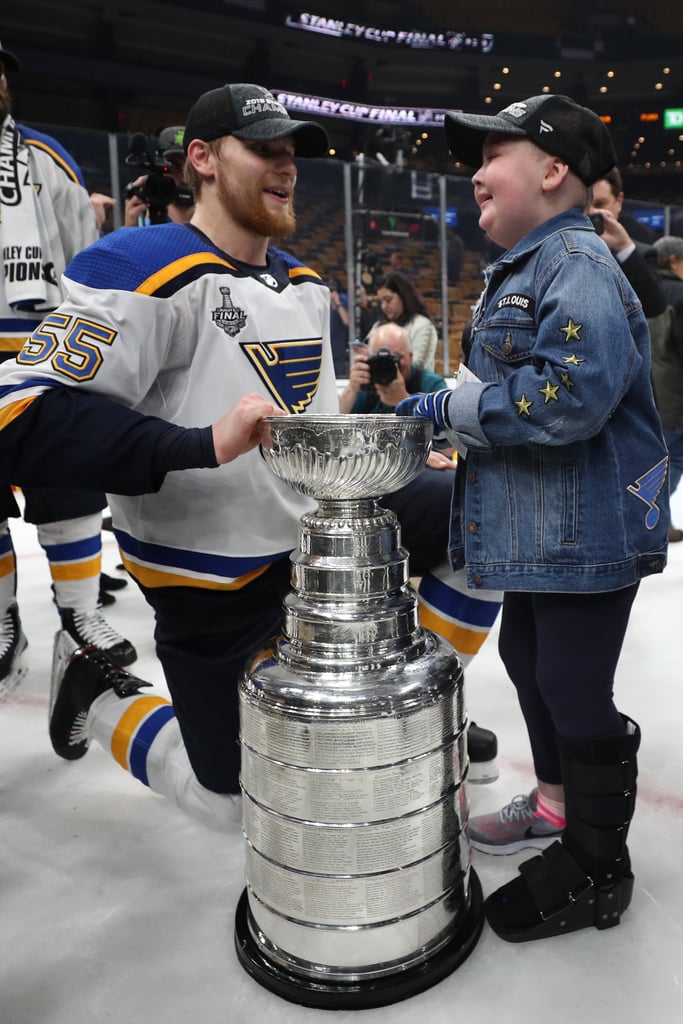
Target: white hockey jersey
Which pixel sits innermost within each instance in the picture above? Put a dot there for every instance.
(67, 225)
(161, 321)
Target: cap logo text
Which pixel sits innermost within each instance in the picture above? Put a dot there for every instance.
(515, 110)
(257, 105)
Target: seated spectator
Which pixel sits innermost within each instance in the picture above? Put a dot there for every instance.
(339, 328)
(366, 313)
(455, 255)
(401, 303)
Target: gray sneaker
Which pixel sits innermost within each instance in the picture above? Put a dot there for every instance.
(516, 827)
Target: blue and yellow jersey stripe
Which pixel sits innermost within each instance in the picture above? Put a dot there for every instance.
(158, 565)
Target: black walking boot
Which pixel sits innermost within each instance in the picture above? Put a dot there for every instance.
(585, 879)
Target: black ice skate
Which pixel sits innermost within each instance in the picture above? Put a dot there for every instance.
(482, 750)
(13, 643)
(79, 676)
(91, 629)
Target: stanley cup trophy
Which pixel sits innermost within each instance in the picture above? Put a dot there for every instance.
(359, 886)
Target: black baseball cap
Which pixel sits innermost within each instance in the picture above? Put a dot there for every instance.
(9, 60)
(171, 140)
(556, 124)
(251, 112)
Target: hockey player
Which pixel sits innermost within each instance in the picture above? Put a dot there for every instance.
(162, 329)
(45, 219)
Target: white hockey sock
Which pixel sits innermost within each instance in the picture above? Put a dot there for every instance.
(143, 735)
(462, 616)
(74, 552)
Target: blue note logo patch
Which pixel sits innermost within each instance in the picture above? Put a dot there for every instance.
(229, 317)
(647, 488)
(290, 370)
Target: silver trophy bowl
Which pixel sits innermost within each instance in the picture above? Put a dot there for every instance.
(346, 457)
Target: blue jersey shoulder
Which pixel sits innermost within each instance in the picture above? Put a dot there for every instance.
(160, 259)
(131, 258)
(54, 149)
(297, 271)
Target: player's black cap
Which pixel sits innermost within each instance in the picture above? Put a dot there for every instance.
(556, 124)
(251, 112)
(9, 60)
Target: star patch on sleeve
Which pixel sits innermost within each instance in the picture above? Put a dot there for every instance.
(550, 392)
(571, 331)
(523, 406)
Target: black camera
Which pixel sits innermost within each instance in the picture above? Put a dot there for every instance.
(159, 188)
(156, 192)
(598, 222)
(383, 366)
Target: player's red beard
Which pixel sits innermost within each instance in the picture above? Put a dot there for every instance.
(248, 209)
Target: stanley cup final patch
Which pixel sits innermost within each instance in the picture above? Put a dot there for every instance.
(229, 317)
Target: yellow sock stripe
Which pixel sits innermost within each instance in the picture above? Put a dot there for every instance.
(465, 641)
(67, 571)
(128, 724)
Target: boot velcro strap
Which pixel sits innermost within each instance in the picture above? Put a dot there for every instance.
(601, 779)
(555, 879)
(611, 811)
(605, 844)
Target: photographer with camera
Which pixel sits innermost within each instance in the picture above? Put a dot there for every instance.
(401, 303)
(383, 373)
(162, 194)
(629, 241)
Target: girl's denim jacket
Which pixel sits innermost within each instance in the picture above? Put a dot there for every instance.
(565, 484)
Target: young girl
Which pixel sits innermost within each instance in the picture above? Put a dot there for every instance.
(563, 501)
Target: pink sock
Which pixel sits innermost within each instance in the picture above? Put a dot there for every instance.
(551, 810)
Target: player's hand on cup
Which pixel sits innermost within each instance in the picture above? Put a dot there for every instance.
(243, 428)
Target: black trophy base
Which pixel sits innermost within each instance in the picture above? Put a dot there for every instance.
(363, 995)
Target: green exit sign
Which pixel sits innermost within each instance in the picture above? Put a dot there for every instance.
(673, 118)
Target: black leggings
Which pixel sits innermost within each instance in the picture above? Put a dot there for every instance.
(561, 653)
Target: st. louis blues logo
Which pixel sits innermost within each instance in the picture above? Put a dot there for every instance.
(229, 317)
(290, 370)
(648, 487)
